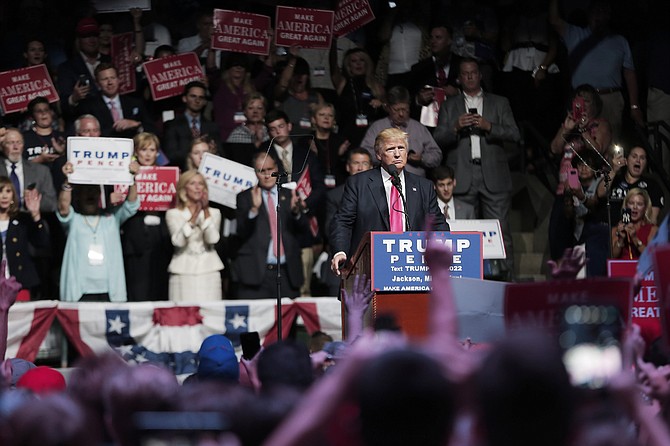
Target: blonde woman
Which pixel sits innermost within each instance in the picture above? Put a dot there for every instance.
(631, 235)
(195, 269)
(361, 95)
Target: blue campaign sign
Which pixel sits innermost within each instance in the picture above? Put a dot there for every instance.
(398, 263)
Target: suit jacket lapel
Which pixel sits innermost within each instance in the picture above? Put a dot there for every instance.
(378, 194)
(412, 199)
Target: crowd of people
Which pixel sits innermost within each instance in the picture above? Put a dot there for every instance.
(405, 124)
(443, 81)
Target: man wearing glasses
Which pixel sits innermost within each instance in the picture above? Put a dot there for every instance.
(424, 153)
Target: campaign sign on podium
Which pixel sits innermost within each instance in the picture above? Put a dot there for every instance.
(398, 263)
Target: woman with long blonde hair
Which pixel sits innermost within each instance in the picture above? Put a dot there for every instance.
(195, 269)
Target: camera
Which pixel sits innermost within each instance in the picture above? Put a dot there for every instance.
(83, 80)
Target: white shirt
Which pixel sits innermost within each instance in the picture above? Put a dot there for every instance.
(288, 163)
(386, 178)
(19, 173)
(476, 101)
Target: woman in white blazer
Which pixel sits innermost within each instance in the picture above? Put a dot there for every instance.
(194, 230)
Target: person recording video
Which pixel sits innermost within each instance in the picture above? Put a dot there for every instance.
(631, 235)
(582, 131)
(383, 199)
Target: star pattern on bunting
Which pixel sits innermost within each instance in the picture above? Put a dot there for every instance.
(238, 321)
(116, 325)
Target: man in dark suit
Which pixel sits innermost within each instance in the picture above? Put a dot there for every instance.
(444, 180)
(255, 264)
(75, 80)
(472, 129)
(368, 202)
(180, 131)
(119, 116)
(296, 156)
(26, 174)
(434, 78)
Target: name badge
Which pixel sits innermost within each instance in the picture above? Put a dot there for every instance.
(96, 254)
(240, 118)
(305, 123)
(361, 120)
(329, 180)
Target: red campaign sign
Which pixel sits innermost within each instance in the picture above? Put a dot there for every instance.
(303, 27)
(156, 187)
(541, 304)
(168, 75)
(241, 32)
(351, 15)
(645, 311)
(661, 256)
(122, 47)
(19, 87)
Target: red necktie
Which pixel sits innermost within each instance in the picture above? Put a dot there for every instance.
(272, 215)
(441, 77)
(395, 211)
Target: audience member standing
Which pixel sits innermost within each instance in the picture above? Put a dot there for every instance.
(180, 132)
(472, 128)
(195, 230)
(93, 260)
(145, 238)
(598, 57)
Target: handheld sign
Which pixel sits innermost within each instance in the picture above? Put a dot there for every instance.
(303, 27)
(122, 47)
(644, 310)
(168, 75)
(225, 178)
(541, 304)
(351, 15)
(156, 187)
(661, 256)
(19, 87)
(100, 160)
(241, 32)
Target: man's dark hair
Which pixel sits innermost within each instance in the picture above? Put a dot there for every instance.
(285, 363)
(37, 100)
(195, 84)
(275, 114)
(102, 66)
(442, 173)
(358, 151)
(469, 60)
(404, 398)
(398, 95)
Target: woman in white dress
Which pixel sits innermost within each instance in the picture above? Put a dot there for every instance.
(195, 269)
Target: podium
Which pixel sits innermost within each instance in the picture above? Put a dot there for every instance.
(399, 278)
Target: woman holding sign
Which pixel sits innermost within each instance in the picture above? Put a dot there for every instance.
(195, 269)
(145, 238)
(92, 268)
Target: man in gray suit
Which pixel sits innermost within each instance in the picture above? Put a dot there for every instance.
(472, 128)
(444, 180)
(26, 174)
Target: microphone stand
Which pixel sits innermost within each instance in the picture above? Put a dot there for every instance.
(281, 176)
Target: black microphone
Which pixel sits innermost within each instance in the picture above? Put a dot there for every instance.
(395, 180)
